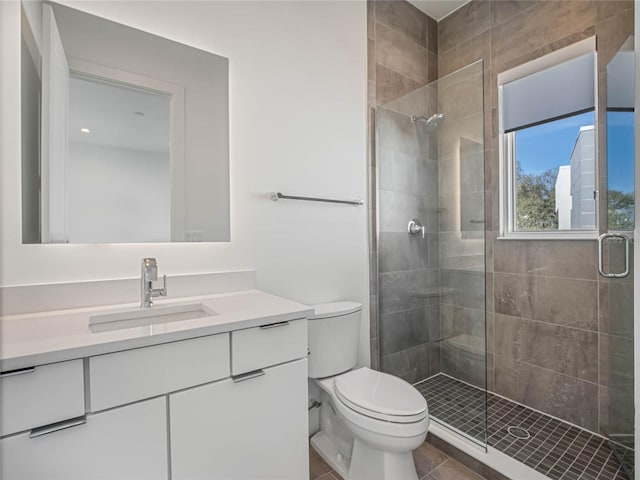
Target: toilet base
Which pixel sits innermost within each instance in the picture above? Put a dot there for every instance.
(330, 454)
(369, 463)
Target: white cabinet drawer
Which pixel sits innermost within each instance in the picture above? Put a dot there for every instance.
(125, 443)
(259, 347)
(42, 395)
(255, 429)
(131, 375)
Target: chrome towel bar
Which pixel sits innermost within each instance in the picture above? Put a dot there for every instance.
(275, 196)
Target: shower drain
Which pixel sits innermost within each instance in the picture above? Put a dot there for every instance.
(518, 432)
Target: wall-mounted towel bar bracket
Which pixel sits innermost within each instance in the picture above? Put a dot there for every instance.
(275, 196)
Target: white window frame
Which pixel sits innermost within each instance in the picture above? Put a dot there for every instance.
(506, 146)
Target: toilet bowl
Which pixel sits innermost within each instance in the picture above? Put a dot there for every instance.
(369, 421)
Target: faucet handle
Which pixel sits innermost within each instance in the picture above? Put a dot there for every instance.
(163, 291)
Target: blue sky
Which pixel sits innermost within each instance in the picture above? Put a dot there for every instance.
(620, 150)
(549, 145)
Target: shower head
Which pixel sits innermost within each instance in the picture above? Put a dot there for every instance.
(431, 123)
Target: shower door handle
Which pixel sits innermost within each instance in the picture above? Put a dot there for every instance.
(601, 240)
(415, 227)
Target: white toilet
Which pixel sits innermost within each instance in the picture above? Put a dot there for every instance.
(369, 421)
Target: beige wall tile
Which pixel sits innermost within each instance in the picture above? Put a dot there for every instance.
(612, 33)
(403, 18)
(371, 19)
(607, 8)
(564, 350)
(505, 9)
(400, 54)
(391, 85)
(432, 35)
(539, 25)
(560, 395)
(465, 53)
(567, 258)
(464, 24)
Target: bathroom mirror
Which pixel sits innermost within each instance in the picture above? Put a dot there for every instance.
(125, 134)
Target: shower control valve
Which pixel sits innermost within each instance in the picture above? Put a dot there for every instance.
(415, 227)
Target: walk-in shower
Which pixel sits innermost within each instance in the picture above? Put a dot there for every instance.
(436, 307)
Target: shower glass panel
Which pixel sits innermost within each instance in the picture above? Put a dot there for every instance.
(431, 252)
(616, 298)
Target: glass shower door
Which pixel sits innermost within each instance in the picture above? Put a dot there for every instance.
(616, 261)
(431, 252)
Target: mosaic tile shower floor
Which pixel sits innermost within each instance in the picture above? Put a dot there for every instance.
(554, 448)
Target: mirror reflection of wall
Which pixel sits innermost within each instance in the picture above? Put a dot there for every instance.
(30, 71)
(620, 138)
(118, 158)
(124, 134)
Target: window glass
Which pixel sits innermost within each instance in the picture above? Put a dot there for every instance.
(554, 169)
(620, 168)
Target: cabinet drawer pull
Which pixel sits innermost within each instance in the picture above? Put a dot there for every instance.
(274, 325)
(19, 371)
(56, 427)
(247, 376)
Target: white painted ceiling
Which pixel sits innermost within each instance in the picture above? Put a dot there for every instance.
(109, 112)
(438, 9)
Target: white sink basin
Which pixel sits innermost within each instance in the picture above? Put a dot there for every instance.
(148, 316)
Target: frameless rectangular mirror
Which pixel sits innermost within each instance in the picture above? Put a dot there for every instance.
(125, 134)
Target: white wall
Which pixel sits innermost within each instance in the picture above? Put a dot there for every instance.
(297, 121)
(118, 195)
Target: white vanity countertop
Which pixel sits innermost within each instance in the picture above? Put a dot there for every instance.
(40, 338)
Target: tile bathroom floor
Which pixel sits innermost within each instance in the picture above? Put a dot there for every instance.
(554, 448)
(431, 464)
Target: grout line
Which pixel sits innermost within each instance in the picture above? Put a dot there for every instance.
(408, 37)
(593, 457)
(570, 327)
(554, 371)
(593, 280)
(575, 459)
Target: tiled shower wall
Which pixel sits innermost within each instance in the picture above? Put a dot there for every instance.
(550, 317)
(555, 328)
(402, 46)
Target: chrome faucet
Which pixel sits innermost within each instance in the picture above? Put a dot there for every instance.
(148, 275)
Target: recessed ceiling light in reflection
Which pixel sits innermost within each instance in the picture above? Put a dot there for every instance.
(85, 130)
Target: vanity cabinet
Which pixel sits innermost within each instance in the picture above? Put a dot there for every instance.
(232, 405)
(124, 377)
(35, 396)
(124, 443)
(248, 427)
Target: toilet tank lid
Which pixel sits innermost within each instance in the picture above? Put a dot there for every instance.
(334, 309)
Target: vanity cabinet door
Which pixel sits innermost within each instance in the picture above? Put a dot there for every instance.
(253, 428)
(124, 443)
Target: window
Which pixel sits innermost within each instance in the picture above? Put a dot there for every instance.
(620, 140)
(548, 154)
(620, 162)
(555, 175)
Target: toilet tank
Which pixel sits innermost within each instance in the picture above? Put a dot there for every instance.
(334, 332)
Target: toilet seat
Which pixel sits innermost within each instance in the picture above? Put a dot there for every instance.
(380, 396)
